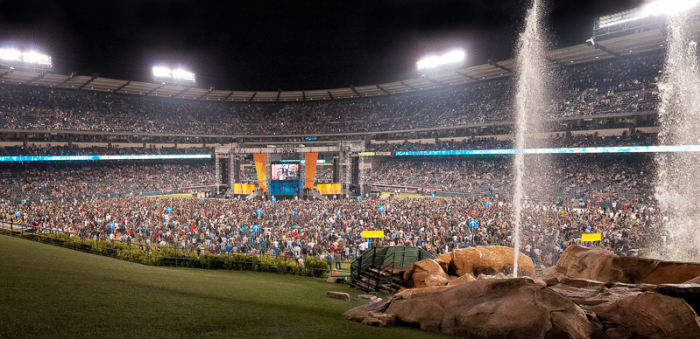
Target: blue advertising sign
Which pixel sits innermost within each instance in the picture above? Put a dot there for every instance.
(570, 150)
(103, 157)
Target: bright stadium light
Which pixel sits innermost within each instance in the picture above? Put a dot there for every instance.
(433, 61)
(33, 59)
(659, 7)
(7, 54)
(177, 75)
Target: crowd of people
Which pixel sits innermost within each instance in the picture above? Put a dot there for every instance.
(40, 181)
(560, 140)
(34, 150)
(583, 194)
(625, 84)
(603, 178)
(299, 228)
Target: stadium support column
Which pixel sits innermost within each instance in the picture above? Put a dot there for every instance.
(302, 171)
(355, 168)
(236, 170)
(336, 169)
(268, 160)
(217, 170)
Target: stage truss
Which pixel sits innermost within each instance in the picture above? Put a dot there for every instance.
(236, 151)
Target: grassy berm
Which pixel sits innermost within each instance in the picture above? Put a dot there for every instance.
(53, 292)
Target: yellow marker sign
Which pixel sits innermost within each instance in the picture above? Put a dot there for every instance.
(591, 237)
(373, 234)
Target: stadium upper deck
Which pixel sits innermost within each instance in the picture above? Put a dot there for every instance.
(619, 87)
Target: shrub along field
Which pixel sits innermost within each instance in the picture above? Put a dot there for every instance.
(52, 292)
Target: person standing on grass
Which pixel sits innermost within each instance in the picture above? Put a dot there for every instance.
(337, 257)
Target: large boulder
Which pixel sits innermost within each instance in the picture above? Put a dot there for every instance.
(495, 308)
(425, 270)
(601, 265)
(489, 260)
(635, 310)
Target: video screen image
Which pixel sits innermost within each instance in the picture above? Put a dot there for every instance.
(285, 171)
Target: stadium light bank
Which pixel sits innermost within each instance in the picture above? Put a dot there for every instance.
(659, 7)
(11, 57)
(435, 61)
(178, 75)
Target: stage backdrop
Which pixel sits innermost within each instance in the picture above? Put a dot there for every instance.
(328, 188)
(243, 188)
(310, 169)
(261, 169)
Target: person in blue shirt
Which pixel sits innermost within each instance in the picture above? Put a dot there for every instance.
(329, 259)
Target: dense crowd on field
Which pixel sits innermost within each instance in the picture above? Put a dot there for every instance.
(625, 84)
(320, 228)
(583, 194)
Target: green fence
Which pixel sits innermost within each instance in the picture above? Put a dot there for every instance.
(396, 256)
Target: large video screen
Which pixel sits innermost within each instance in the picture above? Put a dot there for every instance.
(285, 171)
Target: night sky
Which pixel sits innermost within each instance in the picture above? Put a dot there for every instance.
(290, 45)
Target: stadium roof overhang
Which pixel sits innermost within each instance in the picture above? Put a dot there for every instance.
(630, 44)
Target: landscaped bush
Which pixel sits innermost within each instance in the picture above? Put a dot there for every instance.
(173, 257)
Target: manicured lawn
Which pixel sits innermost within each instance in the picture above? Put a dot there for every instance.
(52, 292)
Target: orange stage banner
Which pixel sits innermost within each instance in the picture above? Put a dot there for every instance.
(310, 169)
(261, 169)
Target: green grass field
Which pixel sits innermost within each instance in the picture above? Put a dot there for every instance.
(53, 292)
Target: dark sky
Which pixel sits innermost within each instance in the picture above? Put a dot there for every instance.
(289, 45)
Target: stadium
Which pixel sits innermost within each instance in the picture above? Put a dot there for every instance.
(548, 193)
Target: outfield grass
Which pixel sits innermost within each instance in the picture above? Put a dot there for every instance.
(53, 292)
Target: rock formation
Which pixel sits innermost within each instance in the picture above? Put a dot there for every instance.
(589, 294)
(598, 264)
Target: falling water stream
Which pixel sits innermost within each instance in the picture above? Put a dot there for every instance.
(679, 173)
(530, 100)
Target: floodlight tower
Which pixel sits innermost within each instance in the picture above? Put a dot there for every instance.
(449, 59)
(650, 15)
(24, 59)
(173, 75)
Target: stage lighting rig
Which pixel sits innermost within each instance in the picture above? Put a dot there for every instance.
(178, 75)
(11, 57)
(451, 58)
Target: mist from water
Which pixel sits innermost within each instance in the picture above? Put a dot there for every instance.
(678, 185)
(530, 103)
